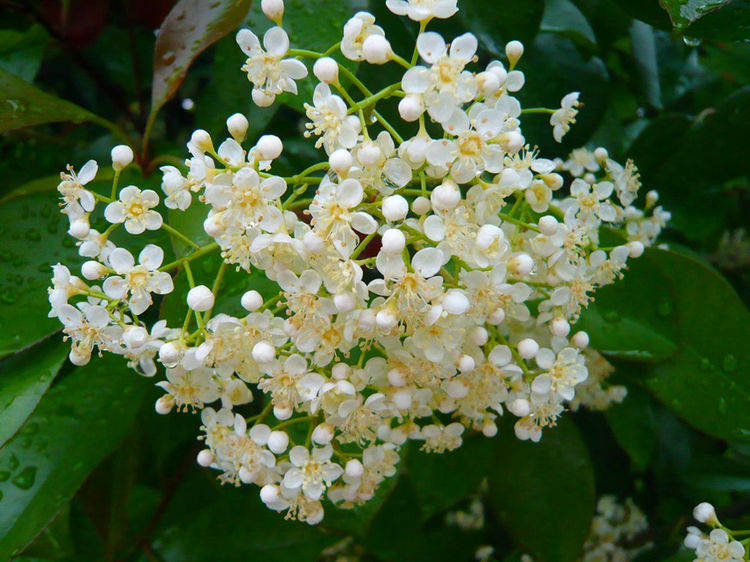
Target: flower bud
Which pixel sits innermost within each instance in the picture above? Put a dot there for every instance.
(393, 241)
(456, 389)
(445, 196)
(169, 353)
(79, 228)
(261, 98)
(205, 457)
(601, 154)
(528, 348)
(269, 147)
(282, 412)
(385, 319)
(322, 434)
(548, 225)
(580, 340)
(519, 407)
(278, 441)
(326, 70)
(402, 399)
(559, 327)
(263, 352)
(704, 512)
(269, 493)
(497, 317)
(369, 153)
(651, 198)
(466, 363)
(214, 226)
(421, 206)
(237, 125)
(354, 468)
(479, 335)
(636, 248)
(273, 9)
(135, 336)
(200, 298)
(410, 108)
(92, 270)
(520, 264)
(489, 429)
(201, 140)
(514, 51)
(455, 302)
(122, 156)
(376, 49)
(340, 371)
(345, 302)
(395, 208)
(78, 359)
(164, 404)
(396, 377)
(340, 161)
(251, 300)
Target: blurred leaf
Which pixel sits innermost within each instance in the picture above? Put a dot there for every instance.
(727, 20)
(80, 421)
(24, 380)
(705, 383)
(24, 105)
(21, 53)
(34, 238)
(545, 487)
(497, 22)
(632, 318)
(205, 520)
(564, 18)
(717, 474)
(644, 56)
(55, 541)
(190, 27)
(357, 520)
(553, 67)
(648, 11)
(632, 423)
(440, 481)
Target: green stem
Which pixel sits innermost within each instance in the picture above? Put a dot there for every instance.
(180, 235)
(293, 421)
(370, 100)
(207, 249)
(538, 110)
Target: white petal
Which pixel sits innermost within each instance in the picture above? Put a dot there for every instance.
(276, 41)
(431, 46)
(151, 256)
(121, 260)
(364, 223)
(464, 46)
(88, 172)
(349, 193)
(247, 40)
(427, 262)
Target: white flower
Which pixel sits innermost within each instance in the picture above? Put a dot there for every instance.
(72, 188)
(312, 472)
(329, 121)
(592, 202)
(176, 189)
(423, 10)
(134, 208)
(356, 31)
(333, 217)
(445, 85)
(563, 118)
(270, 73)
(137, 282)
(89, 326)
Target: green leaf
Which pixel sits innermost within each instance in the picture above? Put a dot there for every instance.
(34, 238)
(190, 28)
(648, 11)
(24, 105)
(21, 53)
(633, 423)
(633, 318)
(357, 521)
(727, 20)
(440, 481)
(206, 520)
(79, 422)
(680, 162)
(564, 18)
(544, 492)
(500, 21)
(25, 378)
(706, 382)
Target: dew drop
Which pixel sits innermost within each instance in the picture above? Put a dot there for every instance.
(25, 479)
(4, 475)
(664, 308)
(691, 41)
(168, 57)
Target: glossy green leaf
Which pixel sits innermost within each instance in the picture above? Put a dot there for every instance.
(21, 52)
(205, 520)
(440, 481)
(648, 11)
(632, 423)
(24, 378)
(34, 238)
(705, 383)
(79, 422)
(500, 21)
(190, 27)
(24, 105)
(644, 332)
(564, 18)
(728, 20)
(544, 489)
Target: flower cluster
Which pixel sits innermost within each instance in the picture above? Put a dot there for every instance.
(720, 544)
(616, 530)
(427, 281)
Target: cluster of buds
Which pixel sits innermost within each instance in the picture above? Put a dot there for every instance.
(428, 280)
